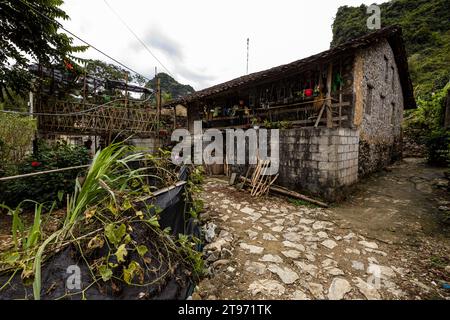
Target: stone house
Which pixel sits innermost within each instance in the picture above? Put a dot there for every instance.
(339, 111)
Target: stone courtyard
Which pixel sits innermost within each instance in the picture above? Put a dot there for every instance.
(270, 248)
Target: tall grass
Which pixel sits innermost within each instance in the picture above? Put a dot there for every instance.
(110, 170)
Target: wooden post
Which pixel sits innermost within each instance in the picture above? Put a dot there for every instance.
(340, 93)
(158, 103)
(174, 118)
(328, 102)
(126, 89)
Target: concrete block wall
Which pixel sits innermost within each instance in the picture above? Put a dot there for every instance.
(320, 161)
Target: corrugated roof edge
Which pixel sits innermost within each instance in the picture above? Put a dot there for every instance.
(392, 33)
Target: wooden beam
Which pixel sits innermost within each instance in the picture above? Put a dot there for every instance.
(328, 102)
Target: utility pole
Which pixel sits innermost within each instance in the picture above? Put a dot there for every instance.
(248, 48)
(158, 100)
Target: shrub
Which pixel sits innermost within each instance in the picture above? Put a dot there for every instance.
(16, 134)
(426, 126)
(45, 187)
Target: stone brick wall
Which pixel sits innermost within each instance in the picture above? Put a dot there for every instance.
(378, 107)
(320, 161)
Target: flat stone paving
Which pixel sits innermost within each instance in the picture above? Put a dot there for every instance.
(268, 248)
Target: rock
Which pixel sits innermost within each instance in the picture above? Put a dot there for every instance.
(335, 272)
(306, 221)
(321, 225)
(294, 254)
(329, 263)
(292, 236)
(251, 248)
(269, 237)
(330, 244)
(286, 275)
(271, 258)
(444, 208)
(357, 265)
(297, 246)
(211, 297)
(447, 269)
(350, 236)
(304, 267)
(255, 216)
(255, 267)
(279, 221)
(352, 251)
(367, 290)
(299, 295)
(217, 245)
(252, 234)
(380, 271)
(247, 210)
(226, 254)
(267, 287)
(322, 235)
(310, 257)
(338, 289)
(370, 245)
(220, 263)
(209, 231)
(231, 269)
(277, 229)
(316, 290)
(213, 256)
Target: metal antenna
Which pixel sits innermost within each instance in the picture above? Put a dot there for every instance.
(248, 45)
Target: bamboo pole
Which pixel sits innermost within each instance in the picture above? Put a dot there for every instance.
(328, 103)
(292, 194)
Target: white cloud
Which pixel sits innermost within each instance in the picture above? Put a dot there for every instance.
(203, 42)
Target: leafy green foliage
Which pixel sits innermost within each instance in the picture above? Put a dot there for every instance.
(426, 31)
(27, 35)
(16, 134)
(426, 126)
(45, 187)
(113, 227)
(170, 88)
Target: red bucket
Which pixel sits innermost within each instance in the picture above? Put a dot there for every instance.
(308, 92)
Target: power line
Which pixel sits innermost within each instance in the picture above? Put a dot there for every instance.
(139, 39)
(85, 42)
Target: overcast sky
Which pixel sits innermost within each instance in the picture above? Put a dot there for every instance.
(203, 42)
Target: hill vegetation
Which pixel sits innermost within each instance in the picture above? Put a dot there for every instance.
(426, 31)
(169, 86)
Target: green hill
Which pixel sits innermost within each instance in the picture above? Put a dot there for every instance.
(426, 30)
(170, 86)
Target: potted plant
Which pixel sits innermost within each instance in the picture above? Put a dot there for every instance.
(254, 122)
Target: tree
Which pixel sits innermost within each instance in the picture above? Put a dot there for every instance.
(29, 32)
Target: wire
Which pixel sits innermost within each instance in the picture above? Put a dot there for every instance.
(137, 37)
(85, 42)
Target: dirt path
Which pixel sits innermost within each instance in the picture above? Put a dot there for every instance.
(384, 243)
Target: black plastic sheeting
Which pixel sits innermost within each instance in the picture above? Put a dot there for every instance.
(54, 272)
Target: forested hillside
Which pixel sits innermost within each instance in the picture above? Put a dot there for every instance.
(170, 86)
(426, 30)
